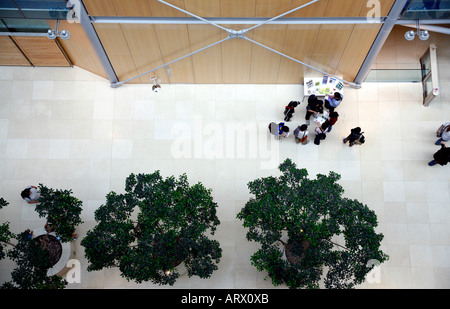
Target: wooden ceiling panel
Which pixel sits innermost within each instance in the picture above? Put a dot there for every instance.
(356, 50)
(265, 63)
(144, 49)
(159, 9)
(300, 40)
(203, 8)
(238, 8)
(235, 8)
(236, 65)
(135, 49)
(207, 64)
(316, 9)
(131, 7)
(352, 8)
(99, 7)
(171, 49)
(272, 8)
(117, 49)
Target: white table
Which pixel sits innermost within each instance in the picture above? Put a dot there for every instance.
(321, 86)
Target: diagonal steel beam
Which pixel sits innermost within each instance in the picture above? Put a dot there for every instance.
(298, 61)
(241, 35)
(193, 15)
(281, 15)
(117, 84)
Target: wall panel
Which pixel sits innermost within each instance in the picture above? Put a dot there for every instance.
(10, 54)
(42, 51)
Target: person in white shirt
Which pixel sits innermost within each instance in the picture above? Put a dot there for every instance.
(445, 136)
(30, 195)
(301, 134)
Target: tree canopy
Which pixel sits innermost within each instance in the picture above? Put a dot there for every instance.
(153, 227)
(308, 232)
(62, 210)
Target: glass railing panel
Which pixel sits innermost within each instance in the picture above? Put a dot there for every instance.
(428, 9)
(412, 76)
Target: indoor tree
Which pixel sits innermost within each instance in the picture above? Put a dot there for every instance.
(31, 258)
(308, 232)
(62, 210)
(153, 227)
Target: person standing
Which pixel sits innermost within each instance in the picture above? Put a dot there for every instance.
(290, 110)
(355, 136)
(280, 131)
(441, 157)
(30, 195)
(445, 135)
(321, 132)
(301, 134)
(315, 106)
(332, 119)
(333, 101)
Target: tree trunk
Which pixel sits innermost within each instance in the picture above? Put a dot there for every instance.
(292, 257)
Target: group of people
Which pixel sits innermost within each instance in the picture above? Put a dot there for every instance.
(325, 120)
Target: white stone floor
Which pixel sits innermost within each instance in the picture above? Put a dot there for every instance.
(68, 129)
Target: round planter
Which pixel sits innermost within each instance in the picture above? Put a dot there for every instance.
(61, 265)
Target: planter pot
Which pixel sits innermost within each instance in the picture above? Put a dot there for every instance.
(60, 267)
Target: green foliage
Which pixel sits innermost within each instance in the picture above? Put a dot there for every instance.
(61, 209)
(157, 224)
(32, 265)
(5, 233)
(312, 214)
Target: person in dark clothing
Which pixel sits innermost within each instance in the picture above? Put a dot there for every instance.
(290, 110)
(321, 132)
(441, 157)
(315, 106)
(355, 136)
(332, 119)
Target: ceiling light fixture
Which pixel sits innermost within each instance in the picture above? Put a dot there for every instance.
(409, 35)
(423, 35)
(53, 34)
(156, 87)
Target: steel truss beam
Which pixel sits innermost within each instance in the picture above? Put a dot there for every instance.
(241, 35)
